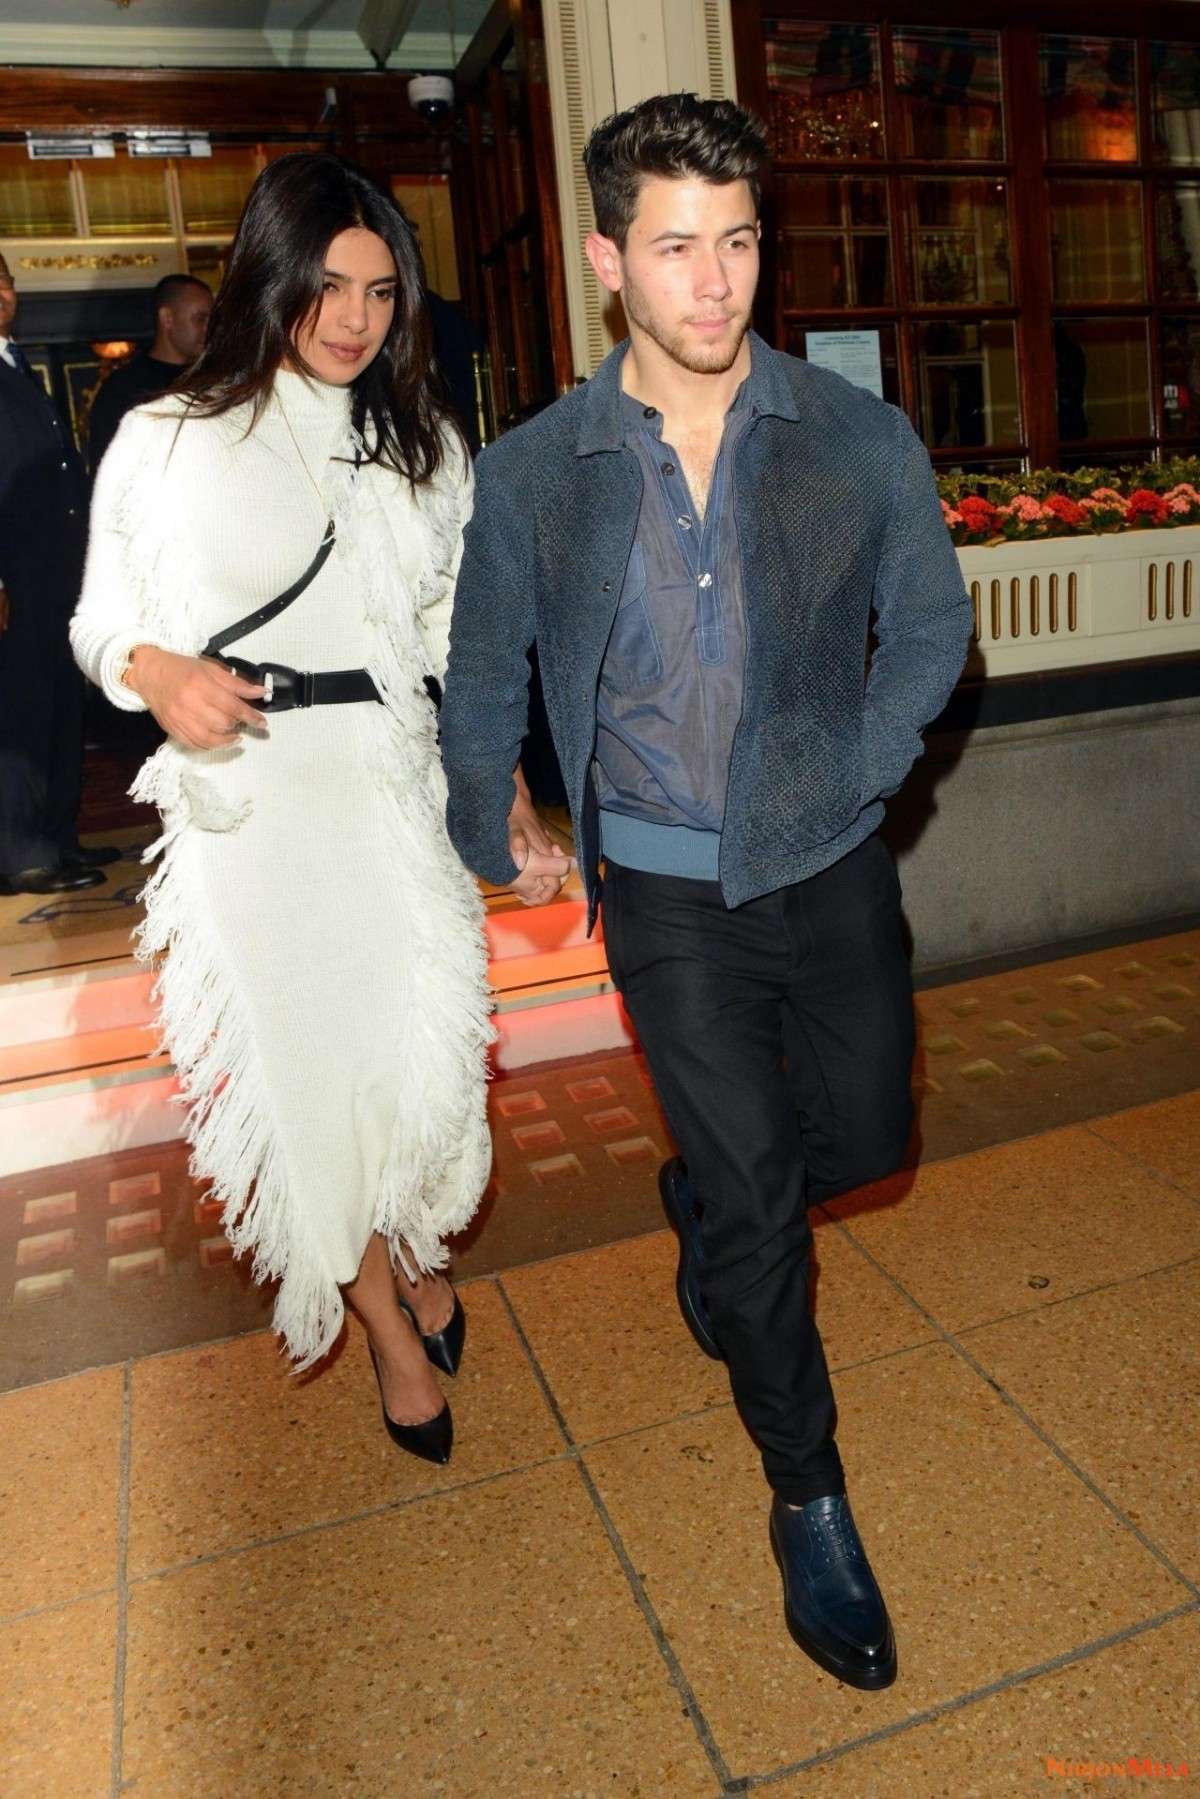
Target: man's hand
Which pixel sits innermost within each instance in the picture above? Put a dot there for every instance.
(194, 699)
(542, 878)
(545, 868)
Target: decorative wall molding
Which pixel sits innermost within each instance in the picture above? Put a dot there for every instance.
(604, 55)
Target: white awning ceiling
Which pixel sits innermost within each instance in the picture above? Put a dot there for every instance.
(229, 34)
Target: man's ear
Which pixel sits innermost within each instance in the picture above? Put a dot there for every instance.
(605, 258)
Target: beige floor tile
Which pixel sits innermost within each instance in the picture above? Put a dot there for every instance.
(56, 1702)
(1114, 1378)
(1166, 1135)
(860, 1314)
(1007, 1229)
(634, 1362)
(608, 1336)
(992, 1556)
(229, 1448)
(481, 1644)
(1126, 1702)
(59, 1478)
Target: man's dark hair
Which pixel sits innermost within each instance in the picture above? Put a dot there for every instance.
(672, 136)
(173, 287)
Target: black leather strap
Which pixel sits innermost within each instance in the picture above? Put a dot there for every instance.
(288, 688)
(274, 607)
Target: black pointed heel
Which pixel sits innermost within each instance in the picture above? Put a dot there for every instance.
(444, 1348)
(432, 1439)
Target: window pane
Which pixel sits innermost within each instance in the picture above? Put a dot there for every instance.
(1179, 341)
(35, 197)
(960, 247)
(1088, 92)
(796, 344)
(1103, 378)
(824, 90)
(1178, 221)
(127, 198)
(1175, 101)
(207, 263)
(967, 383)
(949, 88)
(1096, 240)
(833, 243)
(213, 191)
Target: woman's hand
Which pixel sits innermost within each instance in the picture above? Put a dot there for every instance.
(544, 866)
(193, 698)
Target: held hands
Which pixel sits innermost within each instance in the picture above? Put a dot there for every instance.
(193, 699)
(544, 866)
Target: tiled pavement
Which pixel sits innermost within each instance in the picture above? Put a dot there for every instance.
(123, 1255)
(219, 1580)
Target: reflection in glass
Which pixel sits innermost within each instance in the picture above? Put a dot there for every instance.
(213, 190)
(833, 243)
(824, 91)
(1096, 240)
(1103, 370)
(797, 341)
(967, 383)
(426, 200)
(960, 245)
(35, 197)
(1178, 224)
(1179, 345)
(1088, 94)
(207, 263)
(949, 88)
(127, 198)
(1175, 101)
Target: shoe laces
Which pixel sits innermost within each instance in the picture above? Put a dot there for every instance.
(836, 1538)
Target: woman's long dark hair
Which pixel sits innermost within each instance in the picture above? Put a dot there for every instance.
(273, 287)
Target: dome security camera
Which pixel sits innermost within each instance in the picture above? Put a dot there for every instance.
(432, 96)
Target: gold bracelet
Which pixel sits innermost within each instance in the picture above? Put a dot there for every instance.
(123, 675)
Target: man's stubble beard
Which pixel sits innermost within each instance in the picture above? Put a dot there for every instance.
(698, 359)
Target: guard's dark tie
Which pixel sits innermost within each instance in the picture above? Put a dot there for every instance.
(18, 358)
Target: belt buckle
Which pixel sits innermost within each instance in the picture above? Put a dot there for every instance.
(286, 688)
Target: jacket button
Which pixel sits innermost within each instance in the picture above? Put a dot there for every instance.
(606, 587)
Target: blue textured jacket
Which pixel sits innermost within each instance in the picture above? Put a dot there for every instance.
(838, 520)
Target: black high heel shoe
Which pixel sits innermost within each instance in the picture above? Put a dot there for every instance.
(443, 1348)
(432, 1439)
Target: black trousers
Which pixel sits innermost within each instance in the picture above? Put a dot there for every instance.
(41, 740)
(780, 1037)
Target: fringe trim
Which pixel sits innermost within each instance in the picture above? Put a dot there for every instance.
(439, 1155)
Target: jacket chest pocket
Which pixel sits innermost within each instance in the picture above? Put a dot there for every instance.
(633, 657)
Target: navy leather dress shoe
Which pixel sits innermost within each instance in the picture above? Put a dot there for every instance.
(831, 1599)
(681, 1216)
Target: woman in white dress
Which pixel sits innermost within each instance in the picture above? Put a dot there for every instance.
(324, 988)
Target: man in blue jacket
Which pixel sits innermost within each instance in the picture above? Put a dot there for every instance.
(700, 541)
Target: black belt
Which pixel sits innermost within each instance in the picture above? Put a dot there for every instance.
(288, 688)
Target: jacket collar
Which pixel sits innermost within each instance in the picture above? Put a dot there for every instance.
(771, 393)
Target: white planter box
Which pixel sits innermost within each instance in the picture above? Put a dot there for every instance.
(1065, 602)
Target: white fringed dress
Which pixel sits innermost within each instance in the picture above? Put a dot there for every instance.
(324, 988)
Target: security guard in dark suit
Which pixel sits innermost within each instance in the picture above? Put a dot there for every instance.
(43, 536)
